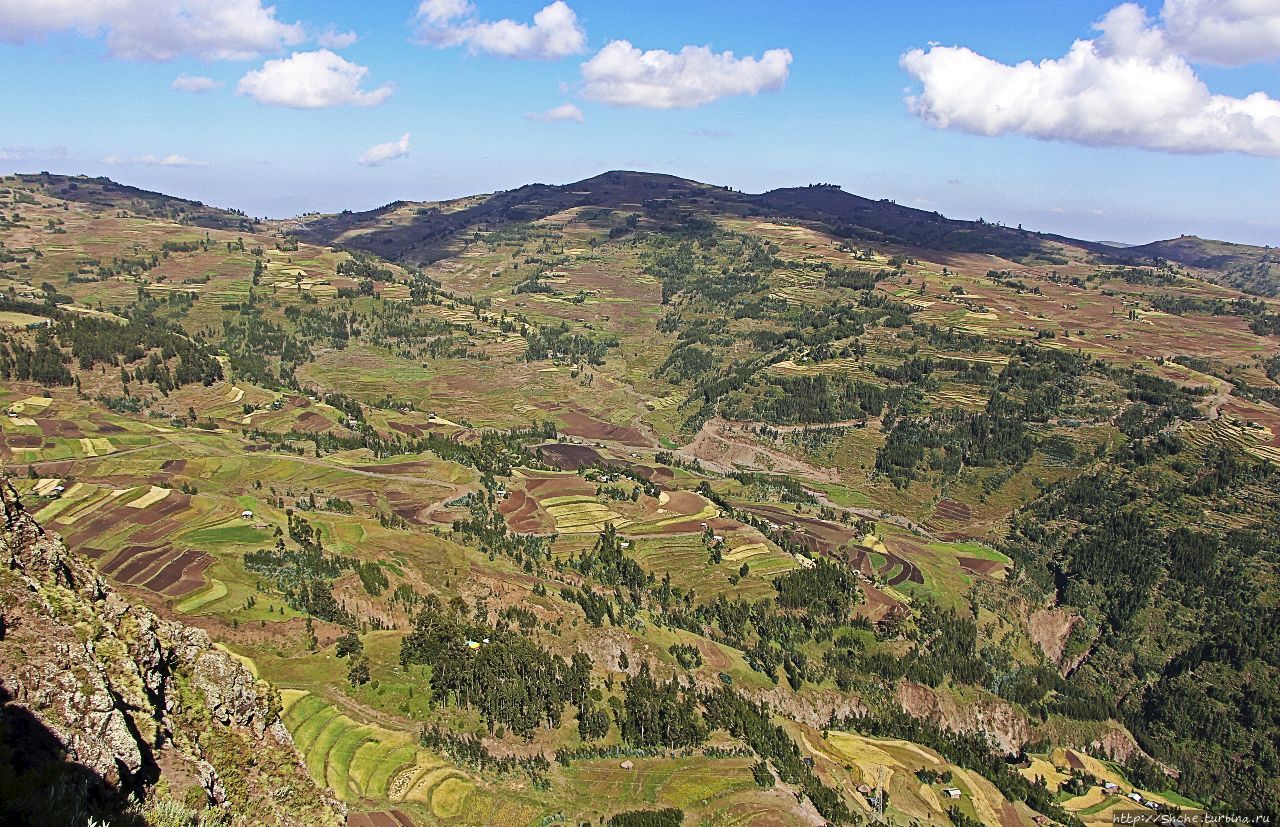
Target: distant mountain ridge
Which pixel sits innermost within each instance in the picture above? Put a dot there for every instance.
(427, 233)
(430, 226)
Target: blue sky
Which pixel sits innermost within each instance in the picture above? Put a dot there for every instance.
(94, 95)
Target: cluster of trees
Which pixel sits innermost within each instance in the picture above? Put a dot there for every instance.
(1036, 385)
(44, 363)
(505, 675)
(1168, 565)
(783, 400)
(559, 342)
(364, 265)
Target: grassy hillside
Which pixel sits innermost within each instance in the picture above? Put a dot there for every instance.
(639, 493)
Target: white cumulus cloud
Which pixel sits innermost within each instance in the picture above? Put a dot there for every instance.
(554, 33)
(156, 29)
(1127, 87)
(623, 75)
(1226, 32)
(312, 80)
(331, 38)
(381, 153)
(563, 112)
(194, 83)
(153, 161)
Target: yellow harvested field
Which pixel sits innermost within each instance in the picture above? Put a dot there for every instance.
(9, 318)
(581, 515)
(153, 496)
(874, 543)
(31, 404)
(861, 751)
(235, 394)
(44, 487)
(96, 446)
(1084, 802)
(1041, 768)
(747, 552)
(983, 795)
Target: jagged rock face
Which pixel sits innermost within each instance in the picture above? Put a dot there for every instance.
(1008, 729)
(114, 685)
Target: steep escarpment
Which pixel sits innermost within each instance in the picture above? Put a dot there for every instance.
(111, 712)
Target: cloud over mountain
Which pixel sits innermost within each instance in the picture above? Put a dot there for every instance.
(622, 75)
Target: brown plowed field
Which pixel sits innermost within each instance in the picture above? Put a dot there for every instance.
(565, 457)
(173, 571)
(312, 423)
(192, 578)
(979, 566)
(580, 425)
(60, 427)
(521, 512)
(395, 818)
(953, 511)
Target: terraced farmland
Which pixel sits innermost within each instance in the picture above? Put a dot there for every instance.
(367, 762)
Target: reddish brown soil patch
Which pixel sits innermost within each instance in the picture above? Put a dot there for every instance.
(172, 504)
(580, 425)
(97, 527)
(23, 440)
(952, 510)
(312, 423)
(162, 530)
(142, 566)
(908, 571)
(105, 427)
(713, 655)
(978, 566)
(861, 561)
(174, 466)
(878, 604)
(566, 457)
(408, 428)
(60, 428)
(521, 512)
(651, 474)
(684, 502)
(547, 487)
(192, 577)
(407, 507)
(126, 557)
(1074, 761)
(817, 535)
(407, 468)
(172, 572)
(394, 818)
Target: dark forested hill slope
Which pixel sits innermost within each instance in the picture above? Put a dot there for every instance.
(103, 192)
(413, 232)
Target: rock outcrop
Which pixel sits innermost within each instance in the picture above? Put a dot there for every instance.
(997, 718)
(118, 706)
